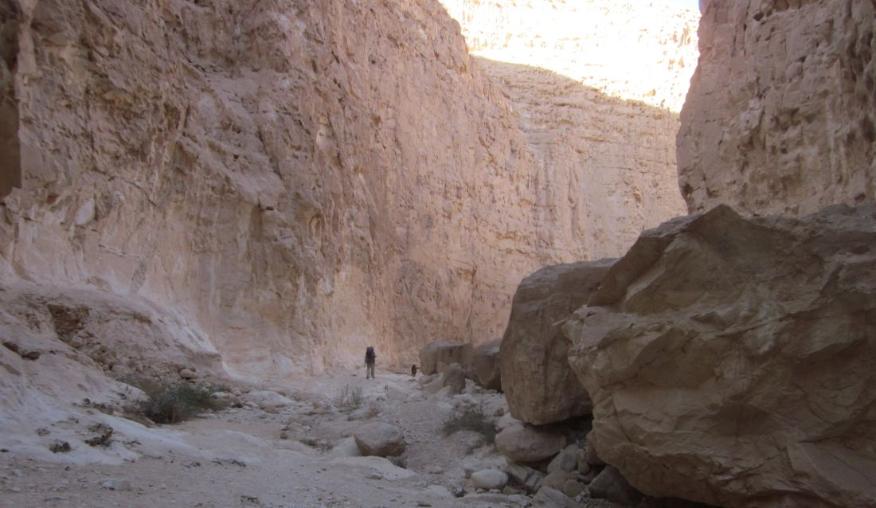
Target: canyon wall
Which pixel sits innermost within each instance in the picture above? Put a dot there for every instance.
(596, 86)
(781, 111)
(291, 180)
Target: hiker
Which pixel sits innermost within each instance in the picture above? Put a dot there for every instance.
(370, 358)
(414, 370)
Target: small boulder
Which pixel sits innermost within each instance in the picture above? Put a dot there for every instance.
(116, 484)
(611, 485)
(548, 497)
(437, 356)
(454, 378)
(566, 460)
(522, 443)
(526, 477)
(489, 479)
(485, 366)
(187, 374)
(346, 447)
(268, 400)
(380, 439)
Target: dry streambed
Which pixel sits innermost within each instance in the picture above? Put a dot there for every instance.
(291, 446)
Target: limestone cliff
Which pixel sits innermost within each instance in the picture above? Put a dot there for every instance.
(291, 180)
(781, 112)
(596, 86)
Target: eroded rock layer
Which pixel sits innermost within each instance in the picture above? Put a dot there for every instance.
(781, 111)
(729, 360)
(292, 180)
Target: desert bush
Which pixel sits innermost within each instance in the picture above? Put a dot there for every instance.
(473, 419)
(174, 403)
(350, 398)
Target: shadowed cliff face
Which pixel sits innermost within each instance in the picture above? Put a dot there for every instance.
(293, 180)
(780, 116)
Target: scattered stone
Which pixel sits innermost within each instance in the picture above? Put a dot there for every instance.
(611, 485)
(566, 460)
(268, 400)
(103, 434)
(439, 355)
(116, 484)
(523, 443)
(489, 479)
(380, 439)
(187, 374)
(42, 431)
(346, 447)
(557, 479)
(60, 447)
(526, 477)
(454, 378)
(548, 497)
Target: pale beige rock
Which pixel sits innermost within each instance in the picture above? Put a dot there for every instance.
(294, 181)
(536, 378)
(730, 359)
(380, 439)
(781, 111)
(438, 355)
(524, 443)
(454, 378)
(485, 365)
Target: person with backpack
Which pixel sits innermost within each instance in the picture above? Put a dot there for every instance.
(370, 358)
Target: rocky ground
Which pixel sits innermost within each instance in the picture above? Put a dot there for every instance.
(290, 446)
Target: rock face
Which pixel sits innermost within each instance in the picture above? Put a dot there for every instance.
(781, 114)
(292, 180)
(380, 439)
(730, 359)
(597, 85)
(538, 383)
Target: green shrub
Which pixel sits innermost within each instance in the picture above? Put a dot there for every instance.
(472, 418)
(175, 403)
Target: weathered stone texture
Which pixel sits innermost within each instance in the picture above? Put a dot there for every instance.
(538, 383)
(781, 111)
(730, 360)
(294, 180)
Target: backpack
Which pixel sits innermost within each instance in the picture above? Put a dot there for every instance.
(369, 353)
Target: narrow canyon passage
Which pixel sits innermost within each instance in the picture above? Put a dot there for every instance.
(597, 253)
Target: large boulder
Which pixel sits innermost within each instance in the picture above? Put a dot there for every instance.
(536, 378)
(522, 443)
(485, 365)
(439, 355)
(454, 378)
(730, 360)
(380, 439)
